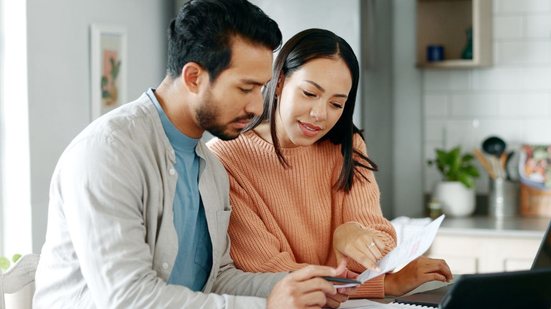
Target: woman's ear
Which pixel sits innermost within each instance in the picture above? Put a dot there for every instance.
(192, 76)
(279, 85)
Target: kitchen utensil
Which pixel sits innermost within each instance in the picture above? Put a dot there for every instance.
(506, 165)
(495, 146)
(485, 163)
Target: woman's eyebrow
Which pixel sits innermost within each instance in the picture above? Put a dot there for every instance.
(323, 90)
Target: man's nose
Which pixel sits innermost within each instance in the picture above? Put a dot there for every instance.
(255, 105)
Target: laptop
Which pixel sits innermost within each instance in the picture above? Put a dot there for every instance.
(543, 257)
(495, 290)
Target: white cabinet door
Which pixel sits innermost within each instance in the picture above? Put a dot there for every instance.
(482, 254)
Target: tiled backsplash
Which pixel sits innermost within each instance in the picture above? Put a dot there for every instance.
(511, 99)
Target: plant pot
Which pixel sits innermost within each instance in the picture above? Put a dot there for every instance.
(21, 299)
(456, 199)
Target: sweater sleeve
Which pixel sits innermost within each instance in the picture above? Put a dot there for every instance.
(362, 204)
(254, 247)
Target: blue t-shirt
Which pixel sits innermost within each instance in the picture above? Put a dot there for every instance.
(194, 260)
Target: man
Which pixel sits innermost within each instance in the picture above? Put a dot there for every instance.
(139, 207)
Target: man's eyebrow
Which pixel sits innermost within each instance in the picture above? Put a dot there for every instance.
(252, 82)
(320, 88)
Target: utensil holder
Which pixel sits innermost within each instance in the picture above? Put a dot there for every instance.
(503, 198)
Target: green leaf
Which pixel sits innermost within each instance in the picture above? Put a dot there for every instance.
(471, 171)
(15, 257)
(4, 263)
(467, 157)
(455, 166)
(466, 180)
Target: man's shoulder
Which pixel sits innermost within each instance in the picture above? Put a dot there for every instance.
(132, 118)
(131, 126)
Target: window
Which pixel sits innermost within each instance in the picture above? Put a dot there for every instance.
(1, 126)
(15, 204)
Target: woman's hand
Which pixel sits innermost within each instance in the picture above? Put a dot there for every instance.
(417, 272)
(364, 246)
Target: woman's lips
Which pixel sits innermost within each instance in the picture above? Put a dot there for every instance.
(309, 129)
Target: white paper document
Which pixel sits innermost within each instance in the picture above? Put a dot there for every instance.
(369, 304)
(412, 247)
(363, 304)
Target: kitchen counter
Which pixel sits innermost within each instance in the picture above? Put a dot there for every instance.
(502, 227)
(482, 244)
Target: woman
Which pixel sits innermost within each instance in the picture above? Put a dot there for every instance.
(302, 186)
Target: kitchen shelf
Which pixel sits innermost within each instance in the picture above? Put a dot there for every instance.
(445, 22)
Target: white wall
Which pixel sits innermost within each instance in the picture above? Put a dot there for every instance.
(342, 17)
(407, 113)
(511, 99)
(59, 75)
(377, 109)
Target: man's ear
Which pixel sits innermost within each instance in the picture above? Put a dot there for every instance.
(192, 76)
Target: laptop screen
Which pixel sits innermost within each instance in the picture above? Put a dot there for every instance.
(543, 258)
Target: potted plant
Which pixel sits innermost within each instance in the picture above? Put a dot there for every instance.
(15, 272)
(5, 263)
(456, 191)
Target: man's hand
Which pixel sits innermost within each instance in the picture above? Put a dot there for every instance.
(304, 288)
(334, 301)
(417, 272)
(364, 246)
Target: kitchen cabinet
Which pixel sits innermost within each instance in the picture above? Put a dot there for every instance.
(483, 244)
(445, 23)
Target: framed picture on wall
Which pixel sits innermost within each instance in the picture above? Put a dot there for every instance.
(108, 68)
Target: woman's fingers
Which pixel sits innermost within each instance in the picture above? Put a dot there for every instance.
(375, 248)
(365, 246)
(362, 256)
(437, 265)
(435, 277)
(445, 270)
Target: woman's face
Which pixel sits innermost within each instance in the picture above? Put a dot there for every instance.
(311, 101)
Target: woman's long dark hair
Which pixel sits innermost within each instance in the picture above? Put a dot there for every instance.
(305, 46)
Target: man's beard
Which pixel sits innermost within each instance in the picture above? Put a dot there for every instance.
(207, 116)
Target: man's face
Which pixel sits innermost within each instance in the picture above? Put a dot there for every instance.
(230, 102)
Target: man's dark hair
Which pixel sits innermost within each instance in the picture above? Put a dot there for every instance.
(202, 32)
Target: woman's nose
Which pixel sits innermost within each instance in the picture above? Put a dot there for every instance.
(318, 111)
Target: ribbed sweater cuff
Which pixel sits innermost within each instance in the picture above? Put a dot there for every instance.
(374, 288)
(279, 265)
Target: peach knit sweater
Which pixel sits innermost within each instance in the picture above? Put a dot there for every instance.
(283, 219)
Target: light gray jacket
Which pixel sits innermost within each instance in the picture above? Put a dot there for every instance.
(111, 241)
